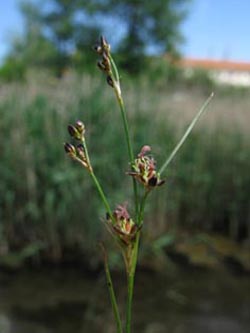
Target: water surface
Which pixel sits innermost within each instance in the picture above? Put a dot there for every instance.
(70, 301)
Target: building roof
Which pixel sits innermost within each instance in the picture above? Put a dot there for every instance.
(209, 64)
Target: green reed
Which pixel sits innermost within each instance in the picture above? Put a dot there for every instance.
(124, 229)
(35, 202)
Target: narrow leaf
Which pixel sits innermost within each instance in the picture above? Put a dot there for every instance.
(186, 134)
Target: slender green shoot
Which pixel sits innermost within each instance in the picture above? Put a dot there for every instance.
(131, 273)
(125, 230)
(112, 292)
(186, 134)
(142, 207)
(117, 76)
(131, 282)
(126, 127)
(97, 184)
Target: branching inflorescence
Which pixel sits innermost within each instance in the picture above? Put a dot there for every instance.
(124, 229)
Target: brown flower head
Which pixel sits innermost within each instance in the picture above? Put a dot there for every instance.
(103, 49)
(122, 225)
(77, 131)
(104, 64)
(102, 46)
(70, 149)
(144, 169)
(77, 151)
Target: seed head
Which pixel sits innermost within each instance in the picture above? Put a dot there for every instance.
(79, 125)
(69, 149)
(98, 49)
(103, 49)
(123, 226)
(77, 131)
(110, 81)
(81, 152)
(101, 66)
(104, 44)
(144, 169)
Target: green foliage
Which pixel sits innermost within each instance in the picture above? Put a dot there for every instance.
(16, 259)
(152, 25)
(164, 241)
(162, 70)
(201, 78)
(58, 33)
(32, 49)
(45, 197)
(12, 70)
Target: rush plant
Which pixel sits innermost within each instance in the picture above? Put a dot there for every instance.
(125, 228)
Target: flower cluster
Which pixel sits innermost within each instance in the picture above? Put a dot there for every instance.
(122, 225)
(77, 131)
(103, 49)
(78, 152)
(144, 169)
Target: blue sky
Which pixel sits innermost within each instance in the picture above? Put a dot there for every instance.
(217, 29)
(10, 23)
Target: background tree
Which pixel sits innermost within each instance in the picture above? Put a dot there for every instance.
(32, 48)
(58, 33)
(148, 26)
(69, 25)
(135, 27)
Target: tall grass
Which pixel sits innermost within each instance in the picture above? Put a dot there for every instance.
(208, 185)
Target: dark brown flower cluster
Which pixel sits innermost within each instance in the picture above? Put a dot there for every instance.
(122, 225)
(77, 152)
(144, 169)
(103, 49)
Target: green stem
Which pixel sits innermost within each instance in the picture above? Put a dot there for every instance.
(101, 193)
(117, 76)
(125, 125)
(131, 281)
(186, 134)
(126, 128)
(142, 207)
(129, 145)
(97, 184)
(112, 293)
(132, 268)
(108, 275)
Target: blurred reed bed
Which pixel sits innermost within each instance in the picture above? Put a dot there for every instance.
(208, 184)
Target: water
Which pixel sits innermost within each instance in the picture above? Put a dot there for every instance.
(69, 301)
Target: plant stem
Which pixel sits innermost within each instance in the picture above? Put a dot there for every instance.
(117, 76)
(131, 280)
(125, 125)
(102, 195)
(112, 293)
(126, 128)
(107, 272)
(108, 275)
(97, 184)
(186, 134)
(139, 210)
(132, 268)
(130, 150)
(142, 207)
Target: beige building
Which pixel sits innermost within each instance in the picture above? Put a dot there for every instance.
(222, 72)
